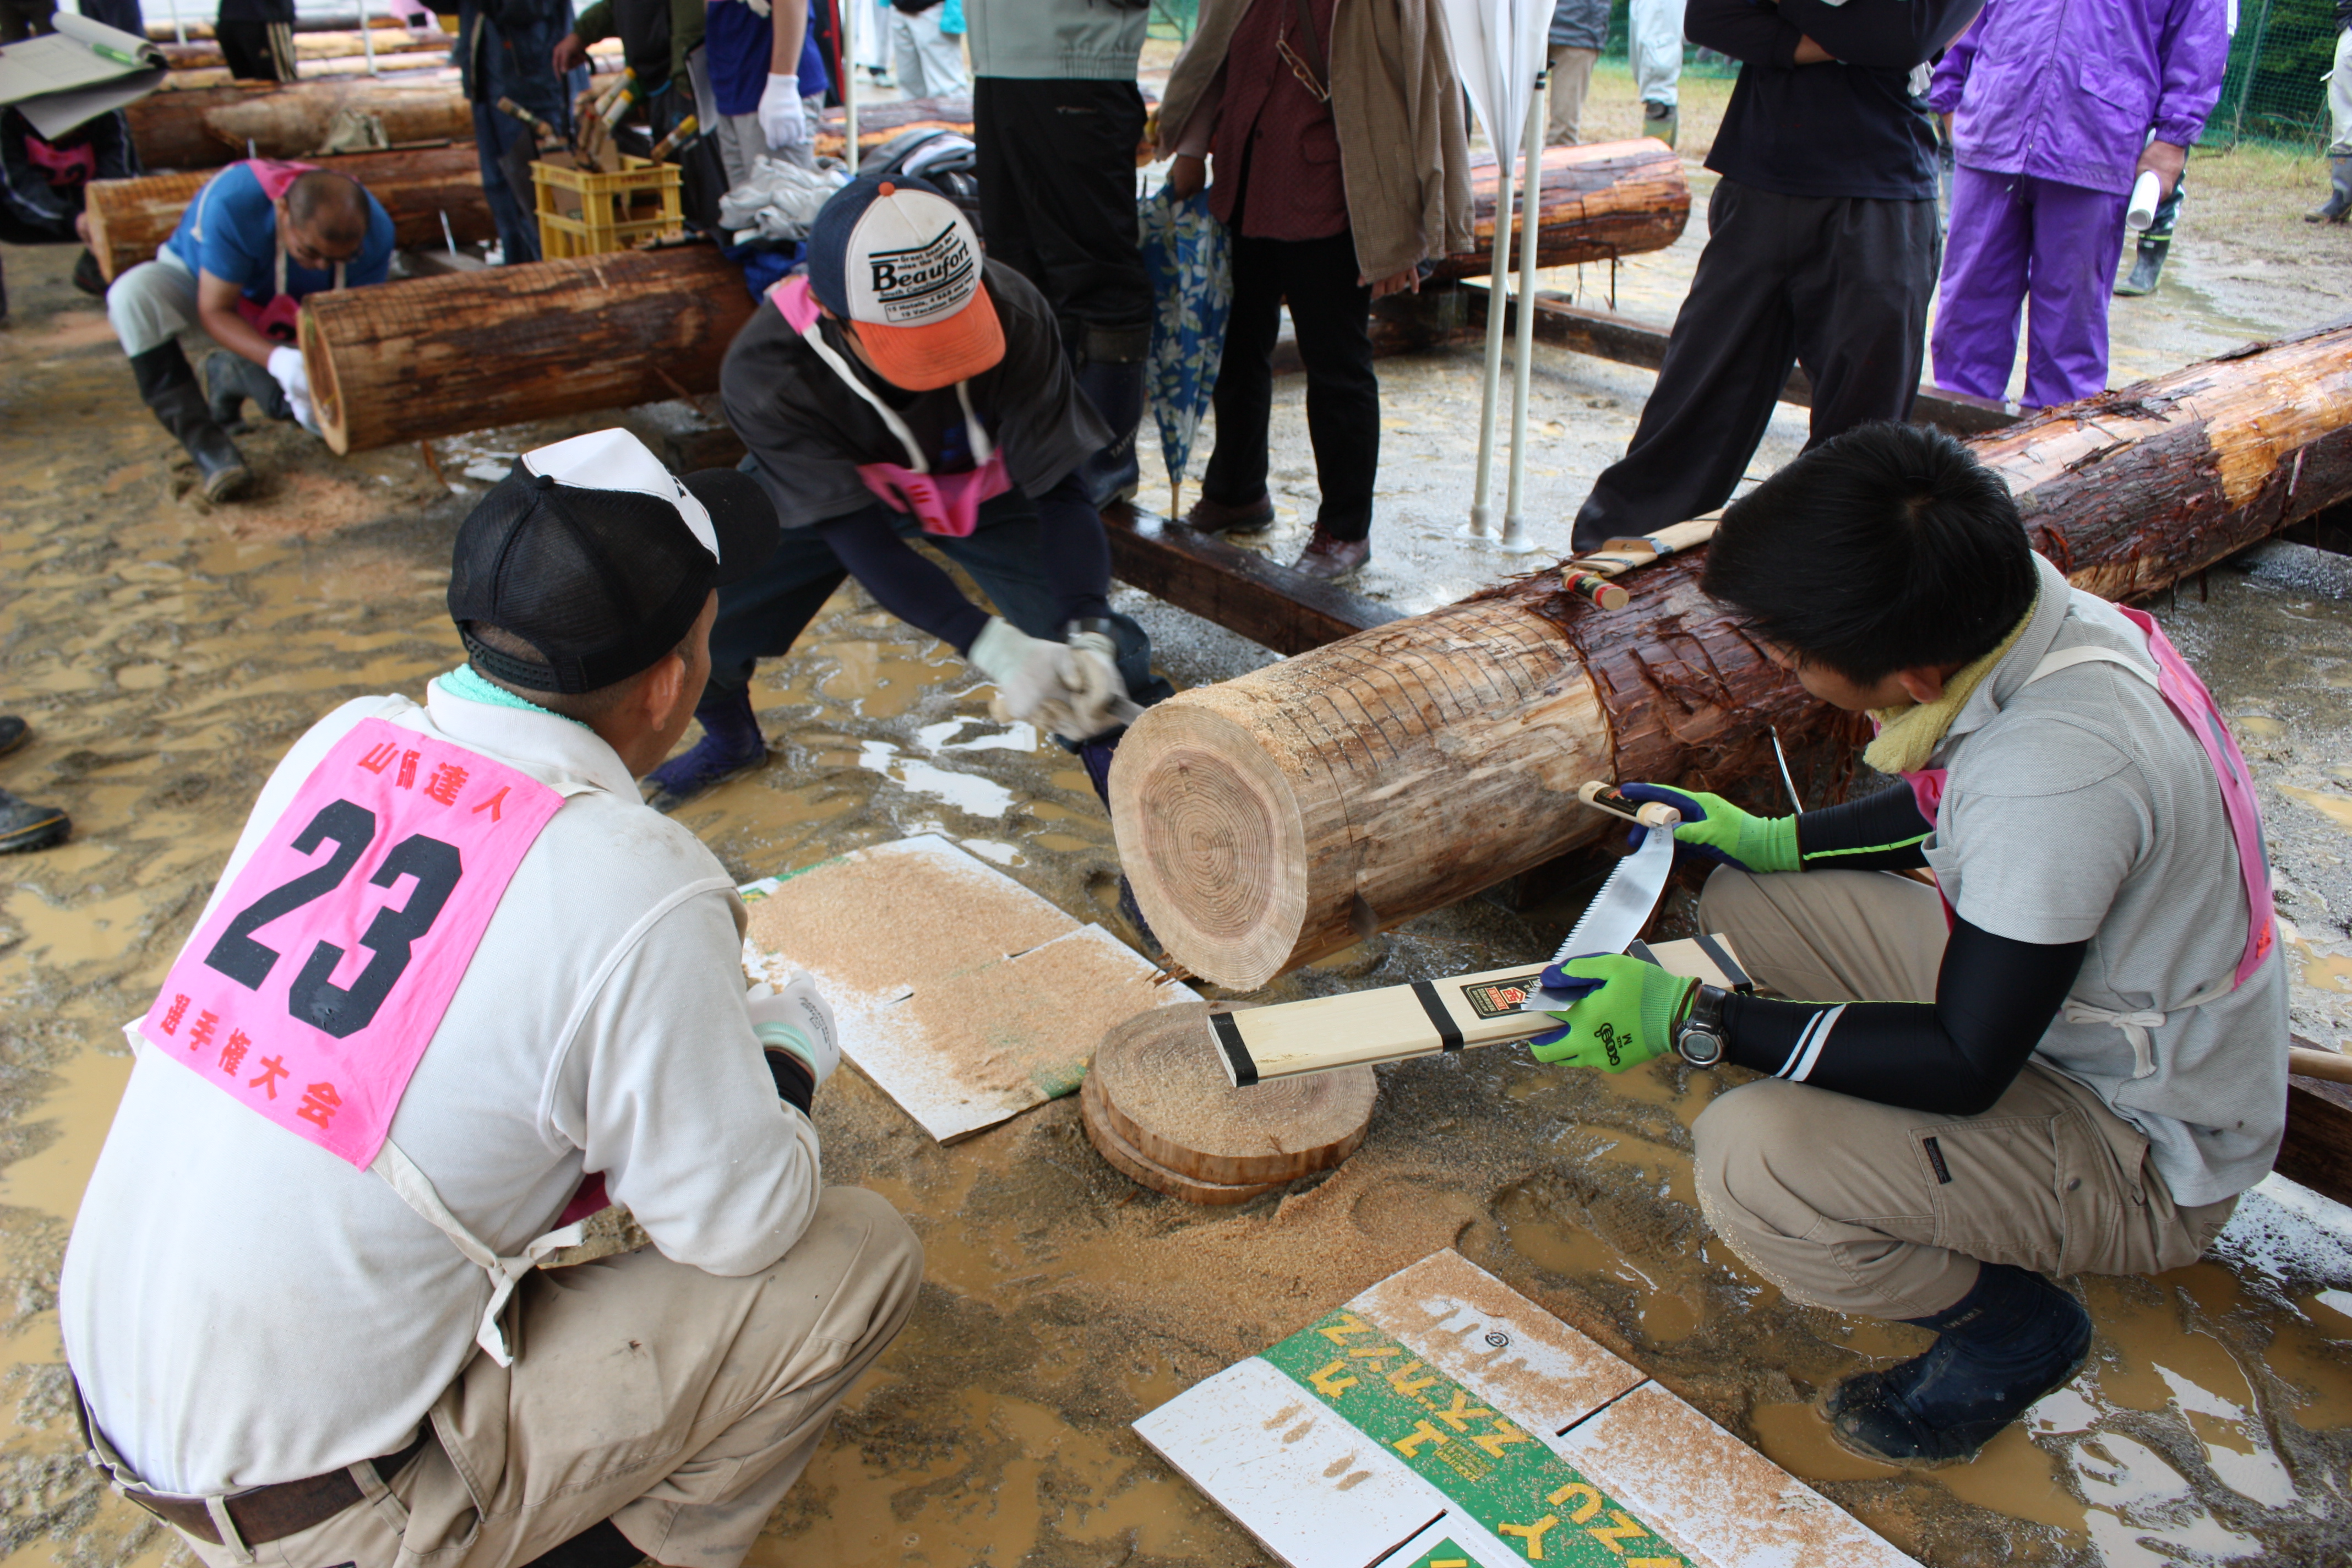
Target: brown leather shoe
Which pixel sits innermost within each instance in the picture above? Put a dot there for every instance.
(1330, 558)
(1218, 517)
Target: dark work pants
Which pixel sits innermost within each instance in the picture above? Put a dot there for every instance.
(257, 51)
(1331, 314)
(1838, 284)
(763, 616)
(1057, 196)
(513, 210)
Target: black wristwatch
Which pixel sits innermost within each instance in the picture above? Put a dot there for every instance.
(1699, 1038)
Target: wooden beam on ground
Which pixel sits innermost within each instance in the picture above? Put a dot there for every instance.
(2318, 1149)
(1238, 589)
(1627, 339)
(128, 218)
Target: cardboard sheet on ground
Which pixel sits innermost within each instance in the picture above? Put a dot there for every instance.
(1443, 1420)
(967, 997)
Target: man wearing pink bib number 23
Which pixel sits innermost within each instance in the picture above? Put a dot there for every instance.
(457, 992)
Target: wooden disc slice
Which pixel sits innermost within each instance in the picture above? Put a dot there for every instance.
(1166, 1095)
(1124, 1158)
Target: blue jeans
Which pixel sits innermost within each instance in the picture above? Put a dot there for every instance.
(763, 616)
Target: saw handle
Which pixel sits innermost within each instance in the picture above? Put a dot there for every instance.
(1603, 796)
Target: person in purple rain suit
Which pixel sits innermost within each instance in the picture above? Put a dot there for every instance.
(2052, 103)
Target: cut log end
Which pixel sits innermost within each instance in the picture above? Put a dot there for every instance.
(1156, 1105)
(1219, 874)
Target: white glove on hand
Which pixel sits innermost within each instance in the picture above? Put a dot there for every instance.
(1027, 672)
(796, 1019)
(287, 370)
(782, 120)
(1097, 699)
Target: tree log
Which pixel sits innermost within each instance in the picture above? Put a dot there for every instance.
(1594, 201)
(199, 54)
(1267, 821)
(206, 127)
(433, 356)
(128, 218)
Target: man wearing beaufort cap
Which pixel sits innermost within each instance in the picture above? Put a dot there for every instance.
(902, 388)
(458, 985)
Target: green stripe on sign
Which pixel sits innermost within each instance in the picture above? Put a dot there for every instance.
(1502, 1476)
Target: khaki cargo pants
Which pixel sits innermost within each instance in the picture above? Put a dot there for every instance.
(679, 1404)
(1883, 1212)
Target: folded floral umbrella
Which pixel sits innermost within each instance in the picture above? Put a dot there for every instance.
(1191, 263)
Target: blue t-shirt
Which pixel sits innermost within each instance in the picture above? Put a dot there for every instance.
(737, 44)
(240, 240)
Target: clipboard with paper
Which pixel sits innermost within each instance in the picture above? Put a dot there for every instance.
(82, 71)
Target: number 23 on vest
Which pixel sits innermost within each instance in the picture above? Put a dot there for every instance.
(310, 993)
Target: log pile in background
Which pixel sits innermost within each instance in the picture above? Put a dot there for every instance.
(1593, 202)
(128, 218)
(205, 127)
(434, 356)
(1267, 821)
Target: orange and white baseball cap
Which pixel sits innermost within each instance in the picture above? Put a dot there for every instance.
(899, 261)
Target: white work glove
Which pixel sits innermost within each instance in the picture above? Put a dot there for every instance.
(1027, 672)
(796, 1019)
(782, 119)
(287, 370)
(1096, 698)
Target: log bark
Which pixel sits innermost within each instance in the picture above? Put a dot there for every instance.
(404, 362)
(1595, 201)
(128, 218)
(879, 122)
(199, 54)
(1269, 820)
(205, 127)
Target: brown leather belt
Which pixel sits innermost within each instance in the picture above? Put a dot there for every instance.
(272, 1513)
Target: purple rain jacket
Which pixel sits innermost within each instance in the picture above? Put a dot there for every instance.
(2068, 89)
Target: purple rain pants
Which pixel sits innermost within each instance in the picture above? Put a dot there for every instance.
(2017, 235)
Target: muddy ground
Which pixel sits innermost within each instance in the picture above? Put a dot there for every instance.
(167, 654)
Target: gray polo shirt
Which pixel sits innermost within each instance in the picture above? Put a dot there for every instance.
(2080, 807)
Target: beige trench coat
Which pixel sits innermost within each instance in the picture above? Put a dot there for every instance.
(1404, 151)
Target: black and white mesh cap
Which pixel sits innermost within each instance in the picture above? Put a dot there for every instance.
(596, 554)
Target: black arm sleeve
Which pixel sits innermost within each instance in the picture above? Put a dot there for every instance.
(1882, 832)
(906, 584)
(1751, 34)
(1077, 552)
(1890, 35)
(1956, 1056)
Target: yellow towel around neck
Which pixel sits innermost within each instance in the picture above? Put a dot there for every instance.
(1909, 734)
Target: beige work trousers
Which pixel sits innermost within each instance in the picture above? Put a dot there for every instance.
(1886, 1213)
(679, 1404)
(1572, 80)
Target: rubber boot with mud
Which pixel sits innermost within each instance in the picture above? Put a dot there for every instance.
(1661, 121)
(2338, 208)
(24, 825)
(229, 380)
(1112, 378)
(730, 742)
(168, 383)
(601, 1545)
(88, 278)
(1095, 756)
(2148, 267)
(2012, 1339)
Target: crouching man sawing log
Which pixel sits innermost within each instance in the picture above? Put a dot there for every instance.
(2073, 1060)
(456, 984)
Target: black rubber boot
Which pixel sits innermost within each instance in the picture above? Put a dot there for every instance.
(87, 277)
(2012, 1339)
(600, 1545)
(1661, 121)
(730, 742)
(168, 383)
(24, 825)
(13, 732)
(229, 380)
(1096, 757)
(1115, 387)
(2148, 267)
(2338, 208)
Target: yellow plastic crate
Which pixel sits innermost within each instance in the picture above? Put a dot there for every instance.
(638, 202)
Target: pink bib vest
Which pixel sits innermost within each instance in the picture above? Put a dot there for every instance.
(945, 504)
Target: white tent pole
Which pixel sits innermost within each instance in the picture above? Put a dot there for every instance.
(1491, 387)
(367, 37)
(1515, 528)
(849, 79)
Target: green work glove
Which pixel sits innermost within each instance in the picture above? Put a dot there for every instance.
(1629, 1020)
(1715, 830)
